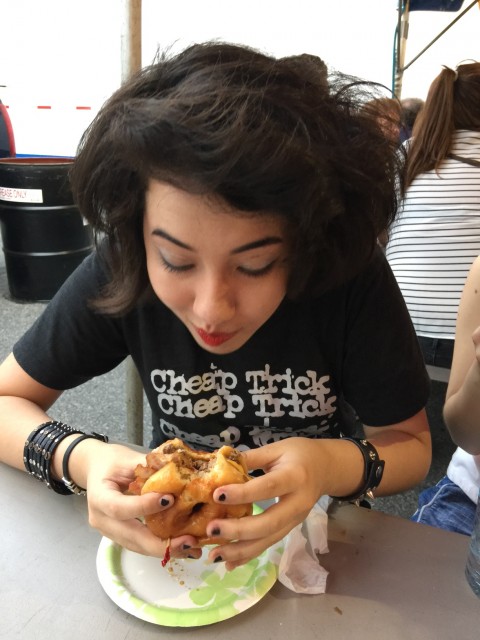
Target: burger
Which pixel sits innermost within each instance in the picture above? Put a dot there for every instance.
(192, 477)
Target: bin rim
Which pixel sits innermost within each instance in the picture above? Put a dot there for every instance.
(36, 160)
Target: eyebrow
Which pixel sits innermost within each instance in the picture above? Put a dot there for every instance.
(263, 242)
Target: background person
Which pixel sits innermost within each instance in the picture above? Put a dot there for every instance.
(436, 235)
(410, 107)
(388, 114)
(451, 504)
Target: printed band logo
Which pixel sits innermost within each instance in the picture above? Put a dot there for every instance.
(176, 394)
(272, 395)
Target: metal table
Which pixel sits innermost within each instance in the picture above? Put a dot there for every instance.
(389, 578)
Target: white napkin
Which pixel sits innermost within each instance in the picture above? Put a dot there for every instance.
(299, 568)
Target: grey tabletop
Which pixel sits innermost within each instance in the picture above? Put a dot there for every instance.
(389, 578)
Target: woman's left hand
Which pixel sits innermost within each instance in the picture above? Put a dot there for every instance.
(298, 471)
(293, 474)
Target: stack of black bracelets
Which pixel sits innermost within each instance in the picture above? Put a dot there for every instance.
(40, 447)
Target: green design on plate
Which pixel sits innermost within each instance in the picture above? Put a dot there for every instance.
(221, 588)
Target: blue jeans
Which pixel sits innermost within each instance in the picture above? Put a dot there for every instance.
(446, 506)
(437, 351)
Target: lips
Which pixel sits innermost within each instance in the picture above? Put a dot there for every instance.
(214, 339)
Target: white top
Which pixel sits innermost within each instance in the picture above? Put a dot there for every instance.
(464, 470)
(436, 237)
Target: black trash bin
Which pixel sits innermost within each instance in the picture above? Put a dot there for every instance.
(44, 236)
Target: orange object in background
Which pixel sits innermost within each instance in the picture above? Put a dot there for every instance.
(7, 139)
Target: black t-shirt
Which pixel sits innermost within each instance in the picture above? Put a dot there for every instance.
(310, 370)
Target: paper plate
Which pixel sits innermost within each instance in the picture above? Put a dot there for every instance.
(184, 593)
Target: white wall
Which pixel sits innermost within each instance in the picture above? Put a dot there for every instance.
(62, 54)
(350, 38)
(65, 54)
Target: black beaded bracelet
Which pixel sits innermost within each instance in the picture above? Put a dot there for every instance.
(372, 475)
(39, 449)
(32, 446)
(67, 481)
(41, 441)
(42, 445)
(37, 445)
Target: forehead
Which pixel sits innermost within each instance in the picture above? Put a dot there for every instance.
(169, 206)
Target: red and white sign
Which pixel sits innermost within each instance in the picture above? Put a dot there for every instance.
(10, 194)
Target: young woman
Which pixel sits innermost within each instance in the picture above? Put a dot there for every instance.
(237, 199)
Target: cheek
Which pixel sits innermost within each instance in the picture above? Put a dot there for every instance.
(263, 300)
(171, 292)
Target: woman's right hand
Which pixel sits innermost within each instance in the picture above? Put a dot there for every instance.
(118, 516)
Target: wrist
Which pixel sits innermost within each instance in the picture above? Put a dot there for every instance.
(343, 468)
(73, 460)
(39, 449)
(372, 472)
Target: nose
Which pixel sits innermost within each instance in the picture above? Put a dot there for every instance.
(215, 302)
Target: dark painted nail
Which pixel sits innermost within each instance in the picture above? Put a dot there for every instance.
(215, 531)
(164, 502)
(218, 559)
(222, 497)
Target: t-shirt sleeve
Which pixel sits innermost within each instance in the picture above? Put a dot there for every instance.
(71, 343)
(384, 375)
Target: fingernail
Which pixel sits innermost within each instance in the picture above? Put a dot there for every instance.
(215, 531)
(222, 497)
(164, 502)
(186, 546)
(218, 559)
(192, 557)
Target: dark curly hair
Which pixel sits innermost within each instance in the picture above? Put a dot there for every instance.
(267, 135)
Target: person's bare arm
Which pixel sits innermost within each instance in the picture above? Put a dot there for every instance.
(105, 470)
(23, 406)
(462, 405)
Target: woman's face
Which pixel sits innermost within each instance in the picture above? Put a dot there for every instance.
(223, 274)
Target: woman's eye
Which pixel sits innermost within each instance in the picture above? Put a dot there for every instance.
(256, 273)
(172, 268)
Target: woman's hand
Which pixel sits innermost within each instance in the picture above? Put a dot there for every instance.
(298, 471)
(118, 516)
(293, 473)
